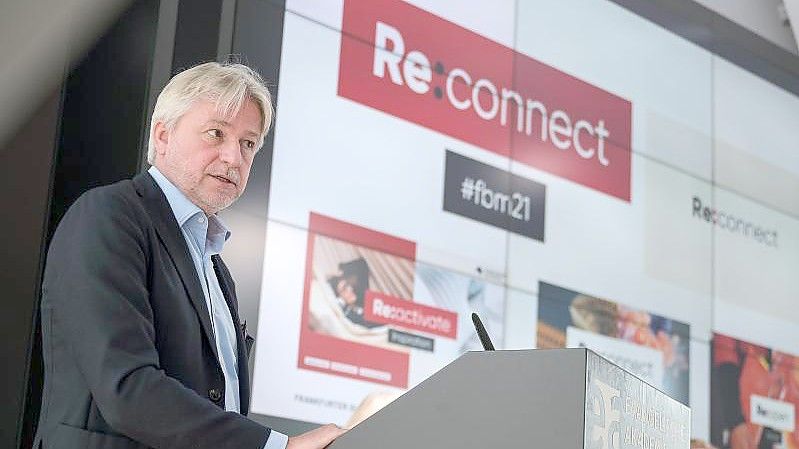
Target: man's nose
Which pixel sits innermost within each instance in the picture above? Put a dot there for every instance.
(230, 153)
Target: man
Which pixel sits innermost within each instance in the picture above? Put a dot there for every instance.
(140, 329)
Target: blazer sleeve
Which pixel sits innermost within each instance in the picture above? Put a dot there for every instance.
(95, 282)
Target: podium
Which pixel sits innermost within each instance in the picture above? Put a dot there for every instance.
(547, 399)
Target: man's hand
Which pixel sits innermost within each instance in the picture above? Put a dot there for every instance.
(371, 404)
(317, 438)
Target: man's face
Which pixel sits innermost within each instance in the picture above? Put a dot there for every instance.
(207, 156)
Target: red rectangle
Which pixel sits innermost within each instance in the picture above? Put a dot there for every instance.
(417, 66)
(358, 235)
(341, 357)
(385, 309)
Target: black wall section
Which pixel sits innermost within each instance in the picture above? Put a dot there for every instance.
(197, 33)
(27, 162)
(100, 141)
(105, 107)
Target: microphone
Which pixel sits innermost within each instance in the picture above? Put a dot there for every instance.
(481, 332)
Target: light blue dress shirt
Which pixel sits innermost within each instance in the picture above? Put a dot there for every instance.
(205, 237)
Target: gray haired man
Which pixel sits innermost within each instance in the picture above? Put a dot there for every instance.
(140, 329)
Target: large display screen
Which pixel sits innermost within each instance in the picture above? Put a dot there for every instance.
(576, 174)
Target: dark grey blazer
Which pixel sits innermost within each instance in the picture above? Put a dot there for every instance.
(129, 354)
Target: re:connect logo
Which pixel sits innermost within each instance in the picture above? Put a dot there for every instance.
(417, 66)
(732, 223)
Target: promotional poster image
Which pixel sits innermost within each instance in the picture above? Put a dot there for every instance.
(371, 313)
(652, 347)
(372, 320)
(754, 392)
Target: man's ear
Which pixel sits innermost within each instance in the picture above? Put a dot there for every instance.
(161, 136)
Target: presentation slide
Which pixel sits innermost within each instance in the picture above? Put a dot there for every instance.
(371, 319)
(528, 161)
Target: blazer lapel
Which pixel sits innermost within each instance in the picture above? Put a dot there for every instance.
(229, 292)
(170, 235)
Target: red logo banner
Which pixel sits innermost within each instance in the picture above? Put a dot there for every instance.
(385, 309)
(417, 66)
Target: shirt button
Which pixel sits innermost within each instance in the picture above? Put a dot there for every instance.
(214, 394)
(201, 220)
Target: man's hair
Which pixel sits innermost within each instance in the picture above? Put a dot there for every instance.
(228, 85)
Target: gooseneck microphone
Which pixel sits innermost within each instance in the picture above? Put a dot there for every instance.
(481, 332)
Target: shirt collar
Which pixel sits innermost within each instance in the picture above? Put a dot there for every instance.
(213, 231)
(218, 234)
